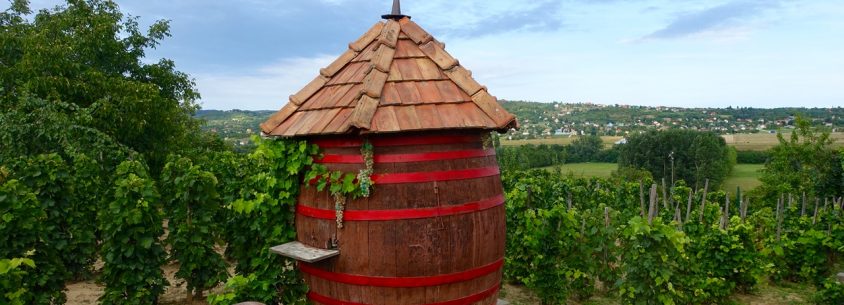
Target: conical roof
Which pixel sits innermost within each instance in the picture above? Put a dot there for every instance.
(394, 78)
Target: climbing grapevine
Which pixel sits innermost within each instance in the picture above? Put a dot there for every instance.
(191, 201)
(343, 186)
(131, 226)
(21, 228)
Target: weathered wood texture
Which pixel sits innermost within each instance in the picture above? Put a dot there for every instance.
(302, 252)
(412, 251)
(394, 78)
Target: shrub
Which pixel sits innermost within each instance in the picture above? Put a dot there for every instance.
(132, 227)
(651, 260)
(830, 293)
(22, 226)
(192, 203)
(752, 156)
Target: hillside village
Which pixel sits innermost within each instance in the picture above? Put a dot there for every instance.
(543, 120)
(539, 120)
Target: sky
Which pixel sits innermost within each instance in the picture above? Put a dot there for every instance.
(253, 54)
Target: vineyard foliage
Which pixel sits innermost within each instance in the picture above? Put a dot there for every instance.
(566, 235)
(132, 251)
(88, 122)
(192, 202)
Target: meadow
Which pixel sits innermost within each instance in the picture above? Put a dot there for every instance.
(750, 141)
(745, 176)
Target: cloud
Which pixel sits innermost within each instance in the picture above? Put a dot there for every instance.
(266, 88)
(480, 18)
(719, 18)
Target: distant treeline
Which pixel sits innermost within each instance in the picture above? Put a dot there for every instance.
(584, 149)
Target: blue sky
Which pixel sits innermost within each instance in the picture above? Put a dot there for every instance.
(252, 54)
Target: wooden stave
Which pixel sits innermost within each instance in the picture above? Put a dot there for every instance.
(489, 225)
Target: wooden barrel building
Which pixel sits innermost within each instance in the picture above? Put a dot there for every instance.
(432, 230)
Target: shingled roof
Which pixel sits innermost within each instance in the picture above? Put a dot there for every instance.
(394, 78)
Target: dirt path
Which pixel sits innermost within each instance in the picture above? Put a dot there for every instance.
(87, 292)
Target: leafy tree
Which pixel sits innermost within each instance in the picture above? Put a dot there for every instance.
(687, 155)
(88, 55)
(192, 201)
(132, 250)
(585, 148)
(805, 162)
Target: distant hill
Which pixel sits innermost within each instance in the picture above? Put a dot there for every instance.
(539, 120)
(234, 126)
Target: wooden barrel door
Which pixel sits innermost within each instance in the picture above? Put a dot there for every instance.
(432, 231)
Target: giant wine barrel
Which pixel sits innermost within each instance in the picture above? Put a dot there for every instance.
(432, 231)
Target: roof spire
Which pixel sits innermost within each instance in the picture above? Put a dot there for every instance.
(396, 14)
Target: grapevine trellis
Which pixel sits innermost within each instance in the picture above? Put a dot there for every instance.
(663, 247)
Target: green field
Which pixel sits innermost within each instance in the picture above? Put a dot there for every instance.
(744, 175)
(586, 170)
(754, 141)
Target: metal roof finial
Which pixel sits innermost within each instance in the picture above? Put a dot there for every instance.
(396, 14)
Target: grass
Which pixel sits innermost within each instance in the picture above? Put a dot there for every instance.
(586, 170)
(609, 141)
(765, 293)
(751, 141)
(744, 175)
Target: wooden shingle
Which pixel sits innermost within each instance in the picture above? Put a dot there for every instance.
(308, 90)
(439, 55)
(415, 32)
(366, 38)
(339, 63)
(396, 77)
(390, 34)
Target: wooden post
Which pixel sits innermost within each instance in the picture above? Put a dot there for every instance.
(790, 200)
(703, 200)
(677, 216)
(803, 209)
(642, 198)
(652, 207)
(725, 217)
(529, 196)
(568, 200)
(744, 209)
(815, 216)
(689, 206)
(779, 217)
(664, 195)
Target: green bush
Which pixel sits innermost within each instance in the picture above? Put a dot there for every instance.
(132, 228)
(830, 293)
(263, 218)
(651, 260)
(22, 226)
(12, 289)
(191, 202)
(752, 156)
